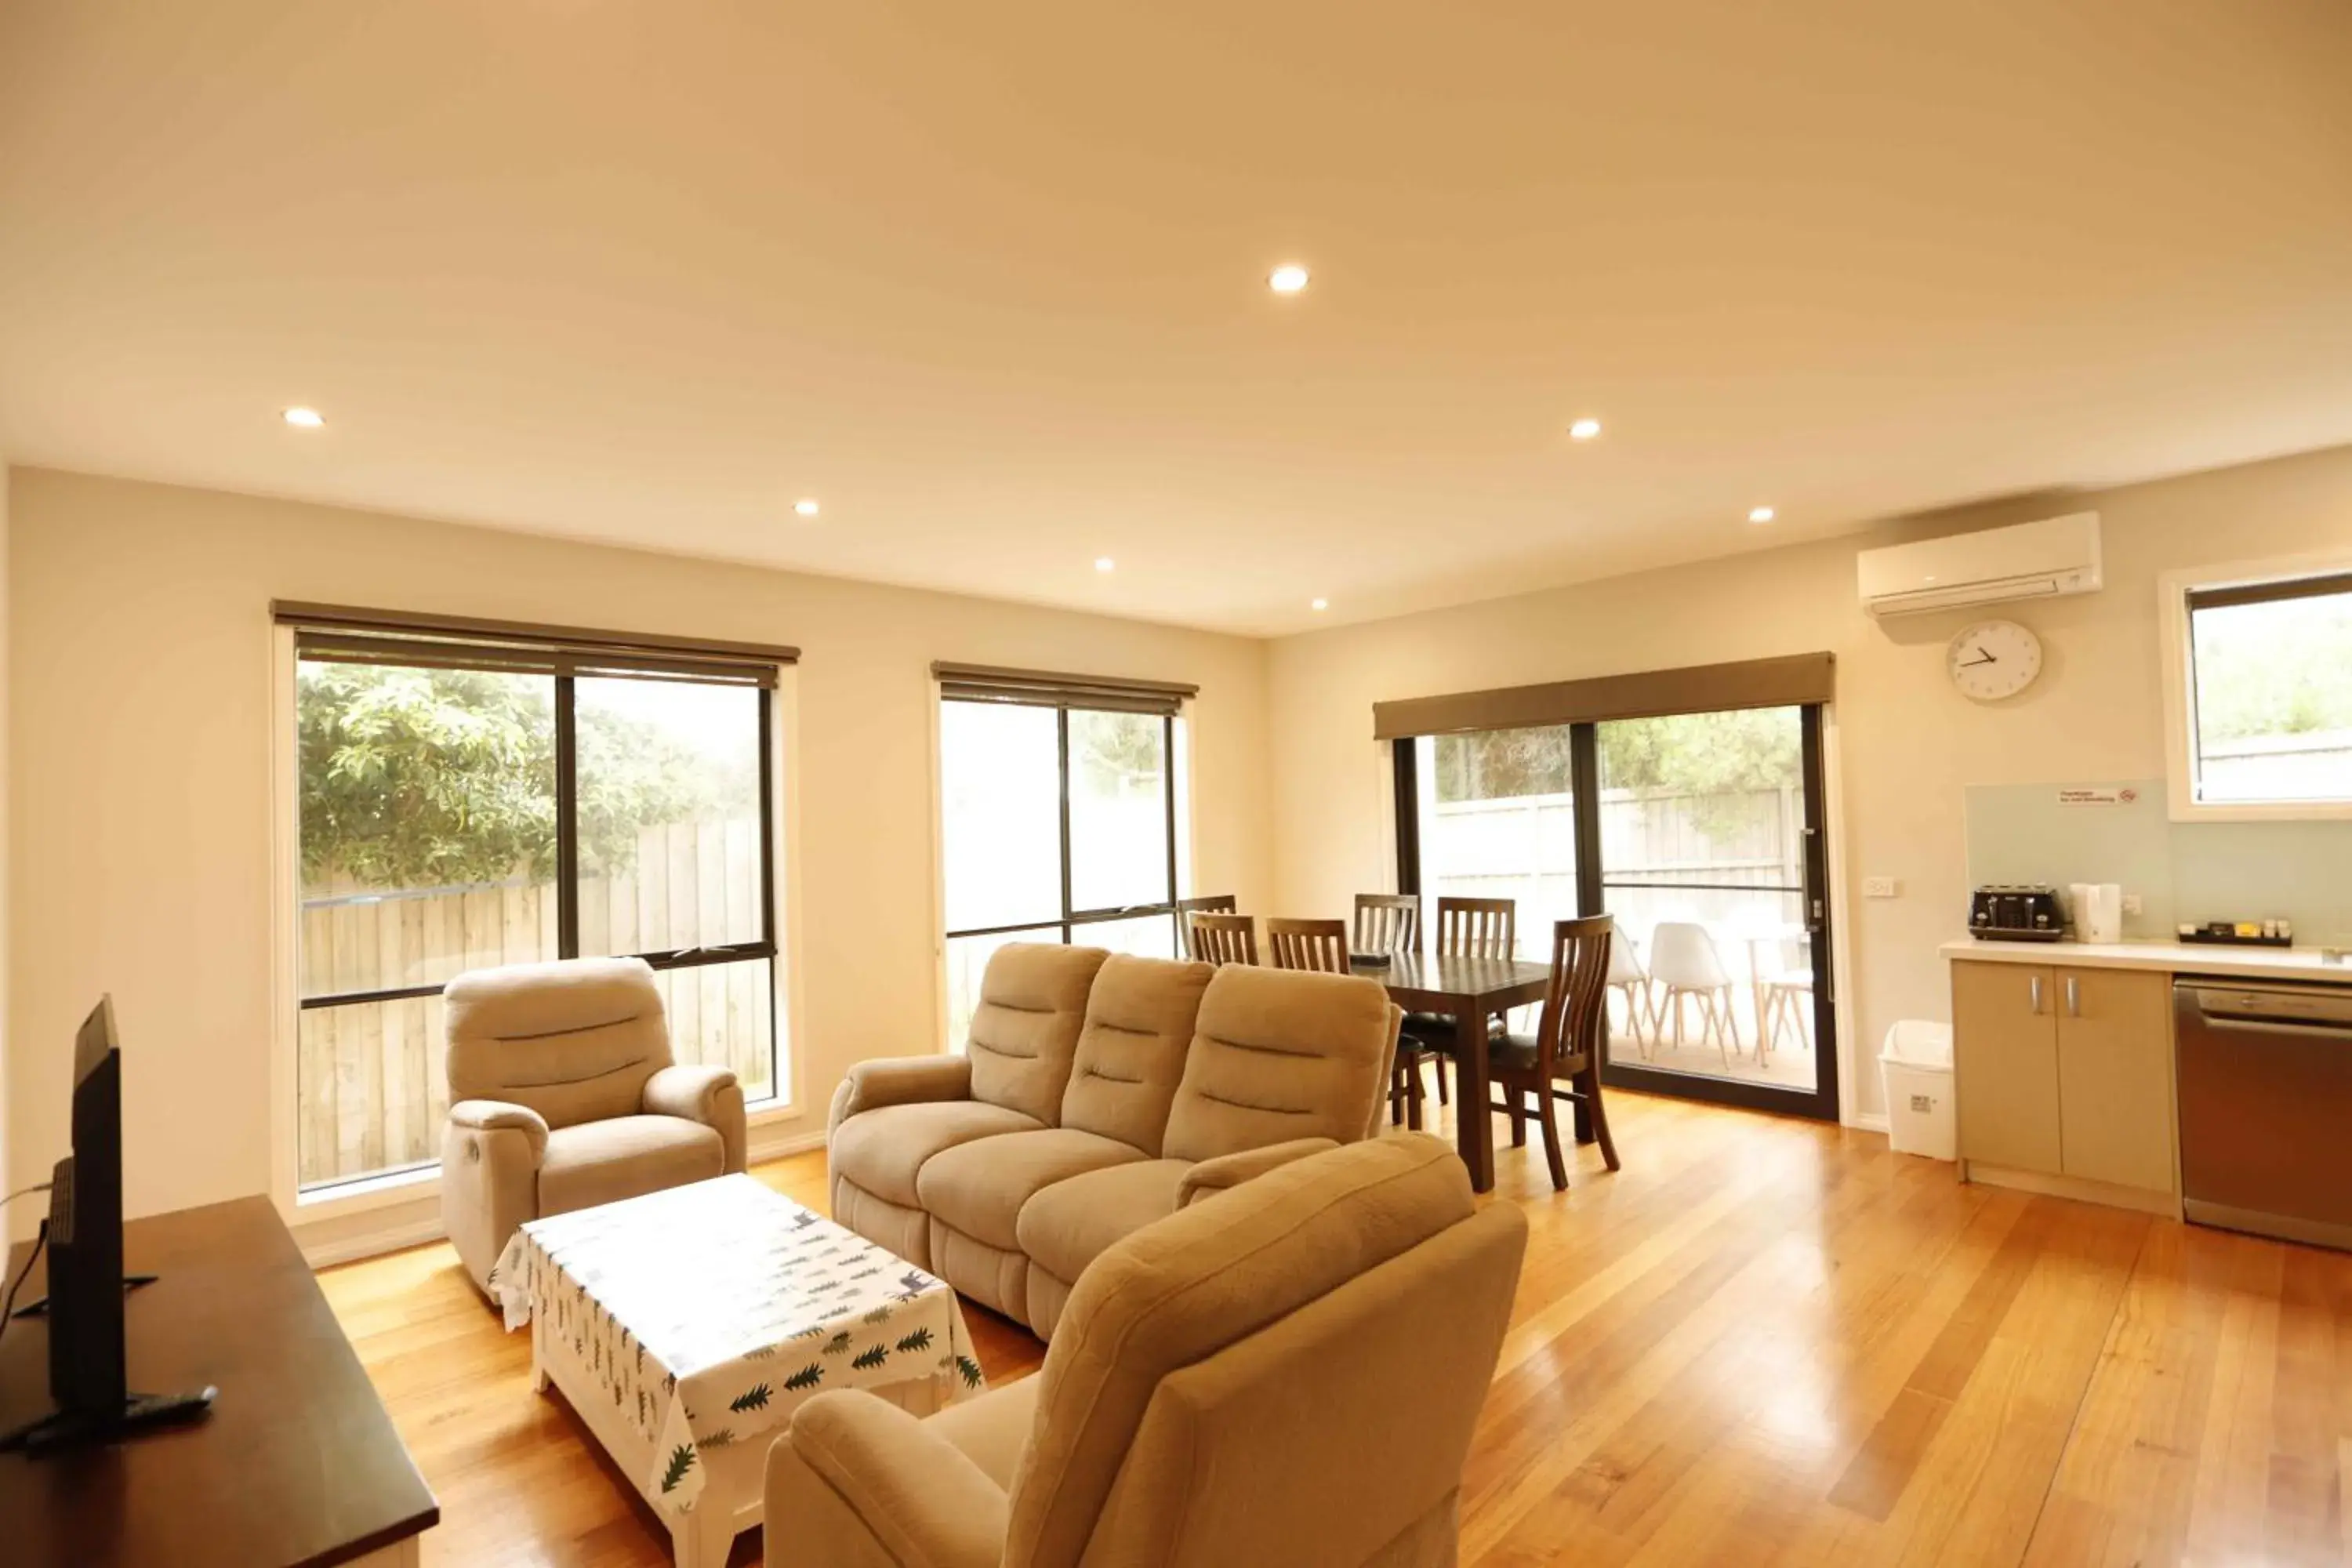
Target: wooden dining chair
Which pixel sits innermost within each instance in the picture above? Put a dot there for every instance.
(1466, 927)
(1213, 938)
(1320, 945)
(1478, 928)
(1564, 1047)
(1387, 923)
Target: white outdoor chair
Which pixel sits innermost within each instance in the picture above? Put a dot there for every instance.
(1684, 963)
(1627, 975)
(1786, 989)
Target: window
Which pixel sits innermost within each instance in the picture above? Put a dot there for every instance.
(2268, 689)
(469, 802)
(1062, 819)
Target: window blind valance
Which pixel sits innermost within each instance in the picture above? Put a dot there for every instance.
(343, 633)
(989, 683)
(2270, 592)
(1788, 681)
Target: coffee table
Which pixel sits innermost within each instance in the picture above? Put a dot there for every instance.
(685, 1324)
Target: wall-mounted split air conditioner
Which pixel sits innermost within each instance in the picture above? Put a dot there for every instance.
(2031, 561)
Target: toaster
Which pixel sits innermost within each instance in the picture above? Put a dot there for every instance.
(2016, 912)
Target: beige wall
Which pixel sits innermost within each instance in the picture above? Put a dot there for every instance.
(140, 820)
(1910, 743)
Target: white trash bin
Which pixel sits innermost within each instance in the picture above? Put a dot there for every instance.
(1917, 1069)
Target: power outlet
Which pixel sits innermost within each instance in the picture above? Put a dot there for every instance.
(1881, 888)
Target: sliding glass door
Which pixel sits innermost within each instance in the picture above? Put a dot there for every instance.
(1703, 835)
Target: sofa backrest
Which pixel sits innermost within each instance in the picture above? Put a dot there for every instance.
(1278, 1054)
(1140, 1020)
(574, 1040)
(1225, 1379)
(1032, 1000)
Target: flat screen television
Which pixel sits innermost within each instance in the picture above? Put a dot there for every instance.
(88, 1375)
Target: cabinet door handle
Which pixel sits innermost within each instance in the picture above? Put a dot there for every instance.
(2073, 997)
(2034, 982)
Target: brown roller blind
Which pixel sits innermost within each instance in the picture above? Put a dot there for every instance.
(345, 634)
(989, 683)
(2270, 593)
(1785, 682)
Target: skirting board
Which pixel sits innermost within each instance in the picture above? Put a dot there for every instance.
(350, 1238)
(2075, 1187)
(1868, 1121)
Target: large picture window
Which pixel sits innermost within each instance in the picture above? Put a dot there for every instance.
(472, 803)
(2269, 667)
(1062, 819)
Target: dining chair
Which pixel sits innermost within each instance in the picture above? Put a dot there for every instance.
(1786, 989)
(1387, 923)
(1215, 938)
(1627, 975)
(1478, 928)
(1209, 904)
(1685, 964)
(1564, 1047)
(1466, 927)
(1320, 945)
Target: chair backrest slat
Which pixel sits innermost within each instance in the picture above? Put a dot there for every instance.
(1215, 938)
(1387, 923)
(1308, 944)
(1478, 928)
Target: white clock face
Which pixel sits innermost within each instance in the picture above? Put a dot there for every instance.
(1994, 660)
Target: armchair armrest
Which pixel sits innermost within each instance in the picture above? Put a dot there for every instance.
(502, 1116)
(1212, 1176)
(709, 1095)
(864, 1483)
(898, 1081)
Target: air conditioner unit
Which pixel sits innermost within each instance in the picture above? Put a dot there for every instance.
(2031, 561)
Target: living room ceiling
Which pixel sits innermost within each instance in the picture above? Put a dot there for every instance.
(990, 282)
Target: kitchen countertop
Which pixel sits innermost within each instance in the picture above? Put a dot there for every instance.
(2175, 957)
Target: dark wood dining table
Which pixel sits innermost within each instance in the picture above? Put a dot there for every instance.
(1470, 991)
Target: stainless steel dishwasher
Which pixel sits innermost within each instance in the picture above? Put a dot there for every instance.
(2265, 1086)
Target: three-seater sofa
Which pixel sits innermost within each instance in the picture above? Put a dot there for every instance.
(1098, 1093)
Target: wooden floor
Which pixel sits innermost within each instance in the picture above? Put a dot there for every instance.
(1763, 1342)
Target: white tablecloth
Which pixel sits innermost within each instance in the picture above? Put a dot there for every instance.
(707, 1312)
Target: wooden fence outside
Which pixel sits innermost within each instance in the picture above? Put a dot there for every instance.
(371, 1087)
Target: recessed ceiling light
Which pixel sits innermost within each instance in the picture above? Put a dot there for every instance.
(1287, 279)
(1104, 563)
(1584, 429)
(805, 506)
(1759, 514)
(305, 418)
(1320, 605)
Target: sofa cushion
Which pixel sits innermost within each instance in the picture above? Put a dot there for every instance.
(979, 1187)
(1064, 1227)
(884, 1149)
(1281, 1053)
(1033, 999)
(621, 1157)
(1130, 1054)
(574, 1040)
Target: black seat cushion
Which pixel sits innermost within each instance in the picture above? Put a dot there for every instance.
(1516, 1053)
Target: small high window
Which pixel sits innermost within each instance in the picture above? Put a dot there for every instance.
(2269, 692)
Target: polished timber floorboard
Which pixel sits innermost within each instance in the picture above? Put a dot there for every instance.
(1763, 1342)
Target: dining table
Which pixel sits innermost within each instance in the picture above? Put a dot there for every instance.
(1470, 989)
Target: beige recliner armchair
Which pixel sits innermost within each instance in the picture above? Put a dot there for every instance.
(1287, 1373)
(564, 1096)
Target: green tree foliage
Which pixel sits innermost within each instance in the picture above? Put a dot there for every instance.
(2279, 669)
(1692, 753)
(415, 778)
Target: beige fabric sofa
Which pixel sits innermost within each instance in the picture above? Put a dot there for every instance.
(565, 1096)
(1287, 1373)
(1098, 1092)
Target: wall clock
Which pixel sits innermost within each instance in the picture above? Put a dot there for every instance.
(1994, 660)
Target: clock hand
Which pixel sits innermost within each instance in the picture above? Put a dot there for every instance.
(1982, 658)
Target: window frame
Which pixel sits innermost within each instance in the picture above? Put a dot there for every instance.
(1176, 757)
(2173, 608)
(778, 711)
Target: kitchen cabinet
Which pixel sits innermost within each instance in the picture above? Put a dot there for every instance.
(2064, 1071)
